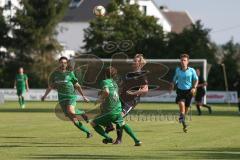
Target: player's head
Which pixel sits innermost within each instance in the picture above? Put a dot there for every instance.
(63, 62)
(138, 62)
(110, 72)
(184, 60)
(198, 71)
(20, 70)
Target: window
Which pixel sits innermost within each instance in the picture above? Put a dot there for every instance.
(144, 10)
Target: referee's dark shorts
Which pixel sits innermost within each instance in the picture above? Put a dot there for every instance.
(184, 96)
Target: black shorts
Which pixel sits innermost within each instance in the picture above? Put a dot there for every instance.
(130, 105)
(184, 96)
(199, 96)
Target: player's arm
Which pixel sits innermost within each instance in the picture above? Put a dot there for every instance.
(48, 90)
(102, 95)
(174, 82)
(194, 86)
(79, 89)
(27, 85)
(202, 84)
(142, 90)
(195, 82)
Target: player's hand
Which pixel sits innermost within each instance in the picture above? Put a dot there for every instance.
(14, 87)
(193, 91)
(43, 98)
(27, 89)
(85, 99)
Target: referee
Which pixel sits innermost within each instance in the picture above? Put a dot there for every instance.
(186, 81)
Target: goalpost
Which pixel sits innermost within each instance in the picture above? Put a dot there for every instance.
(160, 74)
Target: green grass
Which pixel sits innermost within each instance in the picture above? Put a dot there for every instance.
(36, 133)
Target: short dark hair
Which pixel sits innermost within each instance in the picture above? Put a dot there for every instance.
(63, 57)
(184, 55)
(110, 72)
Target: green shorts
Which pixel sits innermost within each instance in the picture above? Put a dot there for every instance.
(107, 118)
(20, 92)
(70, 102)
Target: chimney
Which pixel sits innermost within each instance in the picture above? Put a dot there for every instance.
(163, 8)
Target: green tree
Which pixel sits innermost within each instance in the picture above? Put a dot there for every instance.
(125, 22)
(34, 42)
(194, 40)
(229, 54)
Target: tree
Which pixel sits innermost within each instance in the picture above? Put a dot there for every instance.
(33, 41)
(125, 22)
(229, 55)
(194, 40)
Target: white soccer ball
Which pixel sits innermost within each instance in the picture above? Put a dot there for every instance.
(99, 11)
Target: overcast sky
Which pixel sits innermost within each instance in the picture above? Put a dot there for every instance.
(222, 16)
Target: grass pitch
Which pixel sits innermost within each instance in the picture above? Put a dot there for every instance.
(36, 133)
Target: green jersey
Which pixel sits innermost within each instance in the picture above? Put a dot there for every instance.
(112, 103)
(21, 81)
(64, 83)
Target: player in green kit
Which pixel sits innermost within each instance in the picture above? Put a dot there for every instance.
(111, 108)
(65, 82)
(21, 84)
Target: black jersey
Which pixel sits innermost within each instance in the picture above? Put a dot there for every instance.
(201, 81)
(132, 81)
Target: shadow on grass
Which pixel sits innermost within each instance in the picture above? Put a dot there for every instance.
(168, 154)
(16, 137)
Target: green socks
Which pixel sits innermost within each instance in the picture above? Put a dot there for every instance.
(100, 131)
(20, 101)
(129, 131)
(23, 101)
(81, 127)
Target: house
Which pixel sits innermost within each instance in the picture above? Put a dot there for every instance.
(80, 12)
(179, 20)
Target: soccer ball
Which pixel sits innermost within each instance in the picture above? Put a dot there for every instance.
(99, 11)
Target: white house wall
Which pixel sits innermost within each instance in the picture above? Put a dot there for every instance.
(71, 35)
(153, 10)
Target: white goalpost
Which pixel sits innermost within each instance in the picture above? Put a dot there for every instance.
(161, 71)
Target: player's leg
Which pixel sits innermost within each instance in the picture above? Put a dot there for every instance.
(208, 107)
(121, 124)
(187, 104)
(81, 113)
(182, 111)
(198, 103)
(23, 101)
(205, 105)
(102, 120)
(109, 128)
(76, 122)
(126, 108)
(19, 94)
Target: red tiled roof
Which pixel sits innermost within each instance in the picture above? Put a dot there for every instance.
(178, 20)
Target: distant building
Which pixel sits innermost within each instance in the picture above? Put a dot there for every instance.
(179, 20)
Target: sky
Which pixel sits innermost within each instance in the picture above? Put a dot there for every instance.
(221, 16)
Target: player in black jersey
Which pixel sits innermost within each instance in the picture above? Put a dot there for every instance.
(201, 93)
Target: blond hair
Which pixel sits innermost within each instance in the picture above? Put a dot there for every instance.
(142, 60)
